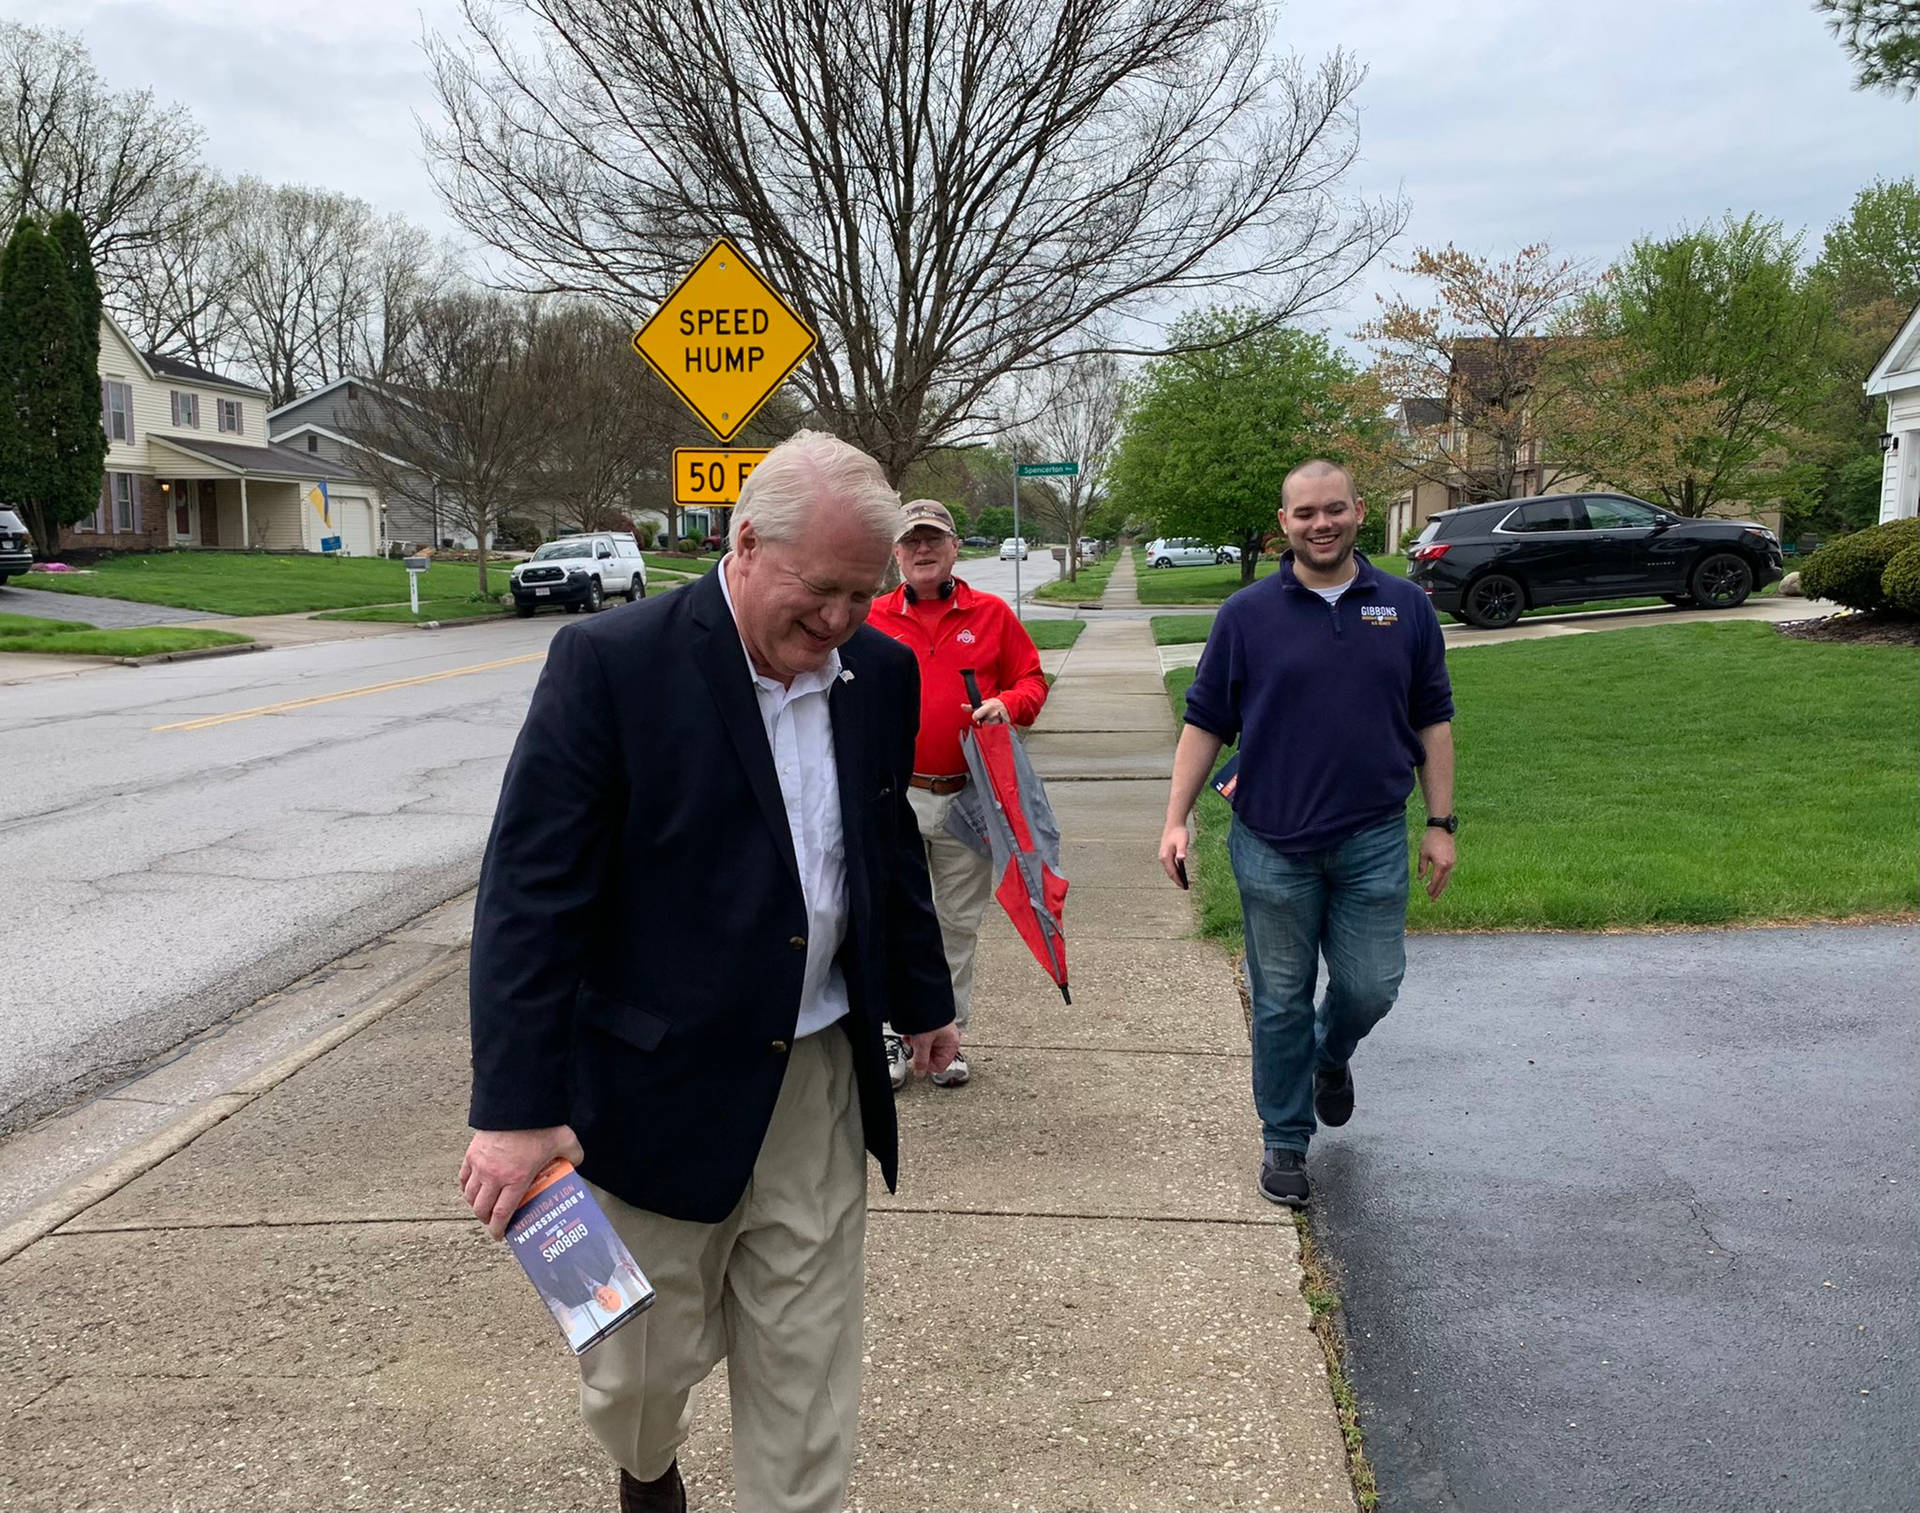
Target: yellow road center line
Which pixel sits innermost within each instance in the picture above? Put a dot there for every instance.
(285, 707)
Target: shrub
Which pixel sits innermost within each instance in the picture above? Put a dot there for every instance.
(1900, 583)
(1848, 571)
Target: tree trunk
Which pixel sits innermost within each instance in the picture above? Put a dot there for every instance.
(480, 552)
(1250, 557)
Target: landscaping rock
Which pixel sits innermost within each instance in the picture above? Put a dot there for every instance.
(1790, 587)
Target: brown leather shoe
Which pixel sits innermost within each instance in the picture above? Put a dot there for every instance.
(666, 1493)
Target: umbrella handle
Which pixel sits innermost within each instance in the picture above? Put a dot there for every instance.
(973, 685)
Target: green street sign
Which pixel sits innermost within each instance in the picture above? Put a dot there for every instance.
(1049, 470)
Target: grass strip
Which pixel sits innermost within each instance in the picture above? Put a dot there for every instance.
(1317, 1286)
(20, 625)
(134, 641)
(248, 583)
(1087, 588)
(430, 609)
(1054, 635)
(1685, 775)
(1181, 630)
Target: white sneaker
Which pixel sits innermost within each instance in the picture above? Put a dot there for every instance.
(899, 1061)
(955, 1075)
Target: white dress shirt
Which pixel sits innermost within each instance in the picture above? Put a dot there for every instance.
(800, 735)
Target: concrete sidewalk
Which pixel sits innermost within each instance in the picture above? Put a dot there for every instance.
(1076, 1300)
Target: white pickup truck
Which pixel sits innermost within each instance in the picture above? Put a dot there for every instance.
(580, 572)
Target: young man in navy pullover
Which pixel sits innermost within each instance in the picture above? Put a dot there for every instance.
(1332, 675)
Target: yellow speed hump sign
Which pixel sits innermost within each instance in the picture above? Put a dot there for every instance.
(724, 340)
(712, 475)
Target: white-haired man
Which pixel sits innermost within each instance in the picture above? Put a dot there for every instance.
(743, 780)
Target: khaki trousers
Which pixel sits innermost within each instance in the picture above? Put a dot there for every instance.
(962, 883)
(776, 1289)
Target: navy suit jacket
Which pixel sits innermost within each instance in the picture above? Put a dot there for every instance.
(640, 934)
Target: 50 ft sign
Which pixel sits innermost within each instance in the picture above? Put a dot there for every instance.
(712, 475)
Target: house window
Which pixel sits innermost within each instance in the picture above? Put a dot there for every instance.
(117, 410)
(313, 442)
(230, 416)
(186, 409)
(121, 486)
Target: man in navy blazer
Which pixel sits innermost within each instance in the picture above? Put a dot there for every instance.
(703, 894)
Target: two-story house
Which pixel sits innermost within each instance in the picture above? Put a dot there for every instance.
(1897, 376)
(325, 426)
(190, 464)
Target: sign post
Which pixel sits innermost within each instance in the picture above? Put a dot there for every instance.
(1032, 470)
(415, 567)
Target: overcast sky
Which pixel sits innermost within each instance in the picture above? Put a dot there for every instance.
(1501, 121)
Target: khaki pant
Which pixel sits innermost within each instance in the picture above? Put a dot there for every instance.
(962, 884)
(776, 1289)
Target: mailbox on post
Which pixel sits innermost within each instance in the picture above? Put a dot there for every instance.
(415, 567)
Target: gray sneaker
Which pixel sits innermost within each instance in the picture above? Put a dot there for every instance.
(899, 1061)
(956, 1074)
(1283, 1178)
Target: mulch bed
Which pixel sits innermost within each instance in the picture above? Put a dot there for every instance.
(1876, 628)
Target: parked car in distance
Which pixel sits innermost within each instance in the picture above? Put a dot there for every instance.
(975, 541)
(1226, 554)
(1014, 548)
(16, 545)
(1179, 551)
(579, 572)
(1487, 563)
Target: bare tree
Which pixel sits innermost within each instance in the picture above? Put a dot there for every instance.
(1481, 353)
(470, 413)
(1077, 418)
(174, 293)
(67, 142)
(950, 191)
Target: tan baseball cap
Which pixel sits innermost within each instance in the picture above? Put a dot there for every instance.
(925, 512)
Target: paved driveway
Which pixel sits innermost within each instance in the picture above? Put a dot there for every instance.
(108, 614)
(1628, 1222)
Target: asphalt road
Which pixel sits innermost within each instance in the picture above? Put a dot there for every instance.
(162, 873)
(1629, 1222)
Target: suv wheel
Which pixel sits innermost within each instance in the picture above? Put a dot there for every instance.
(1722, 581)
(524, 611)
(1494, 602)
(636, 588)
(594, 597)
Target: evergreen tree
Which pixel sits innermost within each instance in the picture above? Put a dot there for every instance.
(81, 438)
(37, 323)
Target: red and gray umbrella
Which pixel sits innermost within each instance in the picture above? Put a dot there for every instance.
(1003, 813)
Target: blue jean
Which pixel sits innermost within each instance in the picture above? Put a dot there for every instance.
(1347, 903)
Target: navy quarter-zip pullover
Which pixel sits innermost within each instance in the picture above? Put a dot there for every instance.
(1325, 701)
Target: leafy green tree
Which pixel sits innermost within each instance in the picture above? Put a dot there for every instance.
(994, 521)
(1882, 38)
(1213, 429)
(1868, 271)
(1698, 365)
(44, 427)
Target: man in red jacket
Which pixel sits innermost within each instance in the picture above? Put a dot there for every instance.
(952, 627)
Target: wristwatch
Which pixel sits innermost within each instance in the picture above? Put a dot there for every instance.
(1447, 822)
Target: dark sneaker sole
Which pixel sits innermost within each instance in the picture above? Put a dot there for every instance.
(1285, 1200)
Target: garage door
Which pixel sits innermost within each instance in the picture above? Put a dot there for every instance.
(355, 514)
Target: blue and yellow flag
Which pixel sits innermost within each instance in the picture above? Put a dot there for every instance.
(322, 505)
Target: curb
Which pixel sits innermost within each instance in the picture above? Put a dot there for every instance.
(143, 1158)
(194, 654)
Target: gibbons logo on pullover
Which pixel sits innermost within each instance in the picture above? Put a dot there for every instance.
(1380, 614)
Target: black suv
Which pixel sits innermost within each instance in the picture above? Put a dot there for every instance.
(1488, 562)
(16, 546)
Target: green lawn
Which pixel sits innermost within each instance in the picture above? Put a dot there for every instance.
(1689, 775)
(1210, 585)
(243, 583)
(74, 638)
(468, 608)
(1054, 635)
(692, 567)
(1087, 588)
(1181, 630)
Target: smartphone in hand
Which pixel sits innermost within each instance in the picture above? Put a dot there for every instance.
(1180, 869)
